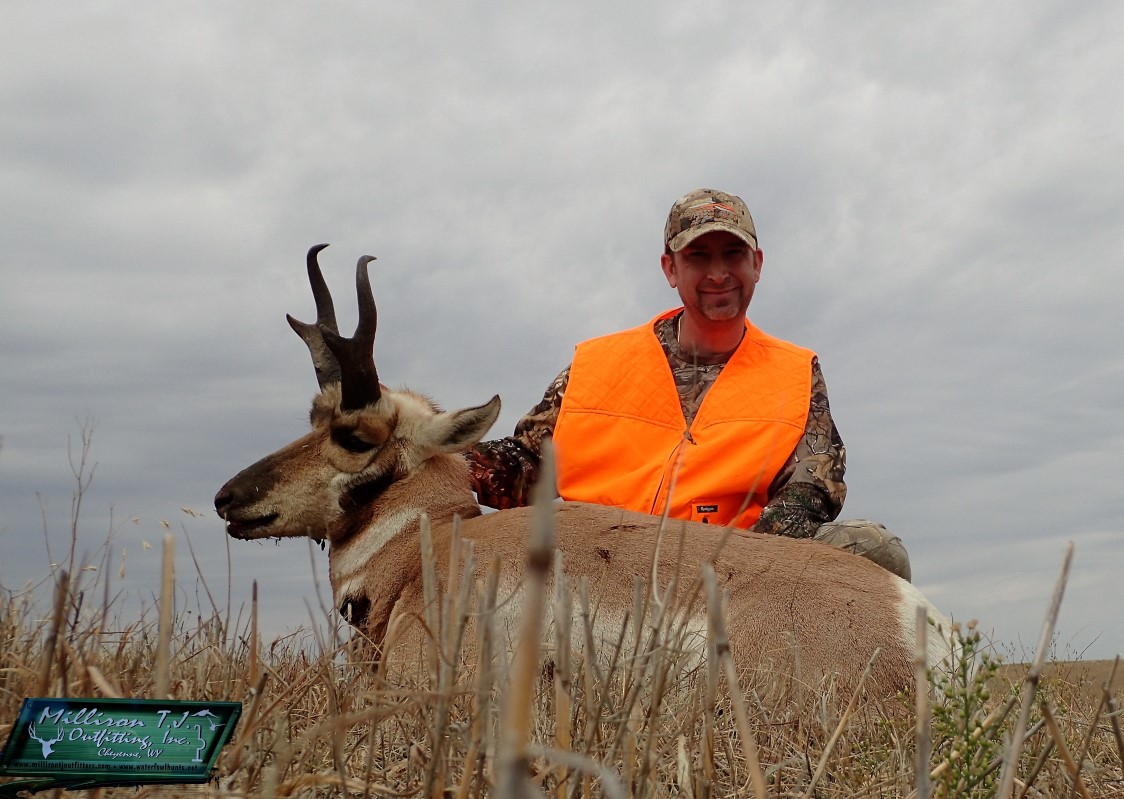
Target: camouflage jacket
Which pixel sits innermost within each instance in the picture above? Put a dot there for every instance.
(808, 492)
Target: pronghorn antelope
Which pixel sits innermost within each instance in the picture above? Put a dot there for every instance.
(376, 460)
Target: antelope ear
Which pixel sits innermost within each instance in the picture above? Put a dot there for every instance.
(456, 431)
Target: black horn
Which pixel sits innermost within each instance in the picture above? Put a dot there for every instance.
(359, 378)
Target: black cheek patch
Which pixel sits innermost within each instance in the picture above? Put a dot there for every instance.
(364, 494)
(355, 610)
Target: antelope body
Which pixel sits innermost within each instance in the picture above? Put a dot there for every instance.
(376, 460)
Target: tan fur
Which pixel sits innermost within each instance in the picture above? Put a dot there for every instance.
(799, 607)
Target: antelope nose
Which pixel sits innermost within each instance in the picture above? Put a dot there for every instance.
(223, 500)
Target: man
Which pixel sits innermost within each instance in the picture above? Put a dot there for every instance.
(631, 428)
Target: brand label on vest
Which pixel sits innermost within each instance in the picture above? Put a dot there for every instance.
(706, 508)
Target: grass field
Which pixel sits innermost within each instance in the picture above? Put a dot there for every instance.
(319, 720)
(1083, 677)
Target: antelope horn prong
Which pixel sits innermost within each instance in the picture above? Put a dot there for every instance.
(325, 363)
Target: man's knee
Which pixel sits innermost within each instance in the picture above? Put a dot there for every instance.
(869, 539)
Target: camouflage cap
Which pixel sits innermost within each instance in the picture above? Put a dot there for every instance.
(704, 211)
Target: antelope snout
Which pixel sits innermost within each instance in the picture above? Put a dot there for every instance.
(223, 500)
(235, 494)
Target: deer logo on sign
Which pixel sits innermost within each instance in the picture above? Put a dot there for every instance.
(48, 745)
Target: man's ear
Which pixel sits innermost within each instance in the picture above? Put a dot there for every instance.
(759, 258)
(667, 263)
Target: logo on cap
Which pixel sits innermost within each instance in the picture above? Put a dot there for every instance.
(704, 211)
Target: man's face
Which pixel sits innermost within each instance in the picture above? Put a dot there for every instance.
(715, 275)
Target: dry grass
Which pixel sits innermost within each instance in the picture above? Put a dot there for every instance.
(635, 720)
(319, 720)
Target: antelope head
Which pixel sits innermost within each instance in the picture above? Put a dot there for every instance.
(371, 454)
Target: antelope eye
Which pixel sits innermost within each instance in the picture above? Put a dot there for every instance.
(350, 441)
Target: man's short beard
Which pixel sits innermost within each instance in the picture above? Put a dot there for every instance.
(722, 313)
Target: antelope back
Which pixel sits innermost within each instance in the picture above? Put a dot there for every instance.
(798, 610)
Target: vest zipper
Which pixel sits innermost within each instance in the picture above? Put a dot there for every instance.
(665, 476)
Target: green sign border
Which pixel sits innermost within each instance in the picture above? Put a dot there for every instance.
(111, 727)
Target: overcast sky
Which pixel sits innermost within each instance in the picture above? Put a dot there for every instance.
(938, 190)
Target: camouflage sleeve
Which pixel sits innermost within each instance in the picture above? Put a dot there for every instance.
(505, 470)
(809, 490)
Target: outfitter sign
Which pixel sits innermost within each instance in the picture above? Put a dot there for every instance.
(117, 741)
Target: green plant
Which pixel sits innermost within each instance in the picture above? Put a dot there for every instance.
(964, 737)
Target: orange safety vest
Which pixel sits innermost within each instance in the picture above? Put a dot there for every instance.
(620, 438)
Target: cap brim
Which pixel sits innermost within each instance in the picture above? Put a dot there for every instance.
(689, 235)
